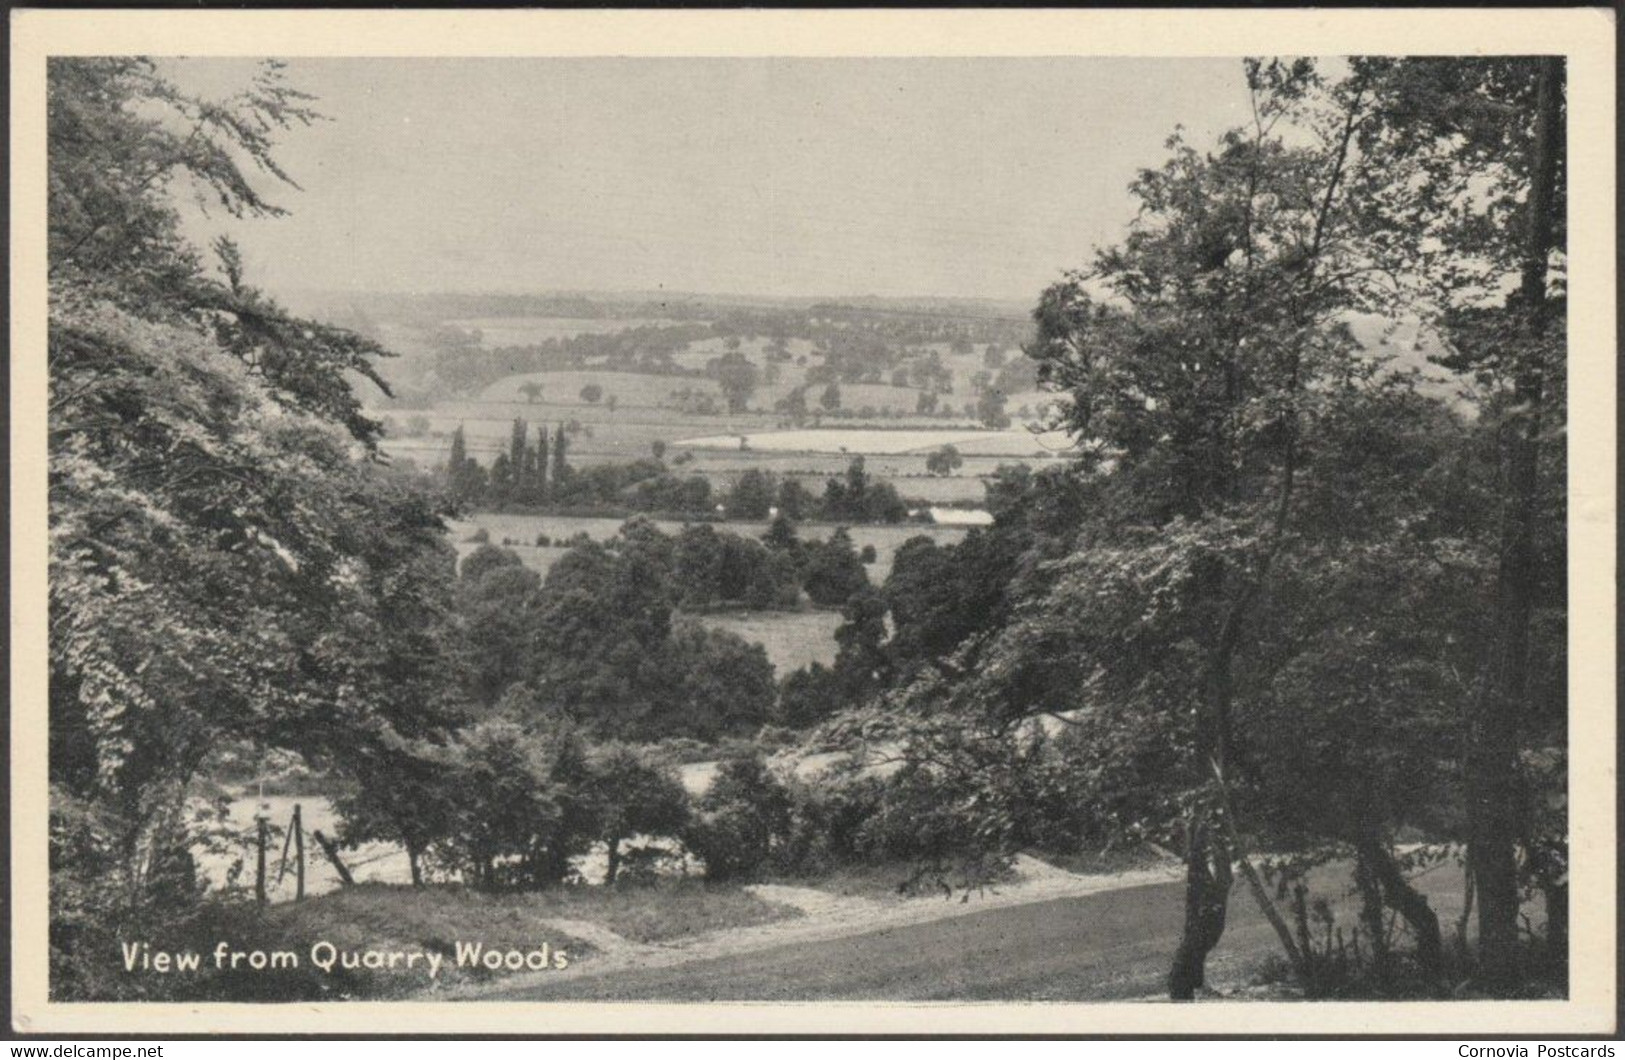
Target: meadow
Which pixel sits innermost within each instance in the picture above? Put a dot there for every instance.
(792, 639)
(629, 389)
(1013, 441)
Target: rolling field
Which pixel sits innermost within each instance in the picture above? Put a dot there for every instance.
(894, 445)
(631, 389)
(698, 353)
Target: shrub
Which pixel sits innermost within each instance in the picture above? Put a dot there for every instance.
(487, 558)
(808, 696)
(742, 819)
(833, 571)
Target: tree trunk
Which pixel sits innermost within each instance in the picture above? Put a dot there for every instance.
(1556, 894)
(1408, 902)
(1547, 864)
(1298, 957)
(1493, 817)
(414, 860)
(1207, 895)
(1371, 908)
(1207, 889)
(614, 860)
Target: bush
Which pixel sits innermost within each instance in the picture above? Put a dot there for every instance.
(519, 806)
(478, 537)
(808, 696)
(833, 571)
(742, 819)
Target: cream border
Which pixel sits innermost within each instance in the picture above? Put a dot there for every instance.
(1585, 36)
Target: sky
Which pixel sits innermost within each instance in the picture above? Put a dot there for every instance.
(980, 178)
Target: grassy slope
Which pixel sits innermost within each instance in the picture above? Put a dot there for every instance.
(379, 917)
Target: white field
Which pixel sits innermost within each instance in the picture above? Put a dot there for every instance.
(1012, 442)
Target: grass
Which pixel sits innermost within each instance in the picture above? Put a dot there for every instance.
(1104, 862)
(369, 917)
(889, 881)
(667, 909)
(436, 919)
(380, 916)
(792, 639)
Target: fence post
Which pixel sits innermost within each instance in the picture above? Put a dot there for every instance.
(262, 830)
(332, 851)
(298, 856)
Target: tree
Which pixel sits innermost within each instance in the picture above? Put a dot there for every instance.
(938, 595)
(186, 411)
(794, 502)
(500, 483)
(500, 606)
(717, 684)
(808, 696)
(795, 405)
(742, 819)
(752, 495)
(518, 447)
(697, 560)
(487, 557)
(1242, 262)
(780, 535)
(542, 475)
(559, 477)
(990, 408)
(832, 572)
(633, 796)
(522, 804)
(944, 461)
(592, 393)
(861, 661)
(1482, 141)
(830, 399)
(459, 481)
(532, 391)
(738, 378)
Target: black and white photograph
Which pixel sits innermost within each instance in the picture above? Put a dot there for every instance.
(607, 529)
